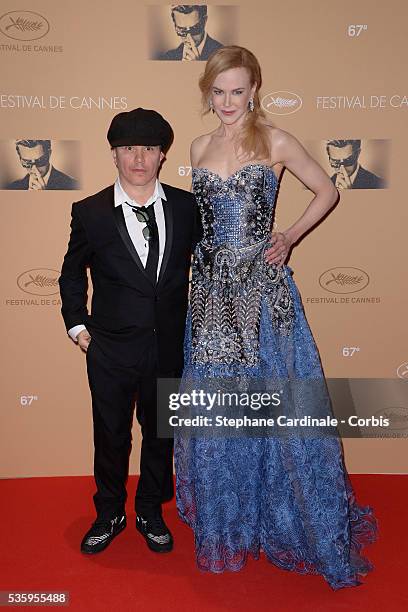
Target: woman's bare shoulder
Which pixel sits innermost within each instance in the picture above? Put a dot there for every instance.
(202, 141)
(283, 143)
(277, 135)
(198, 146)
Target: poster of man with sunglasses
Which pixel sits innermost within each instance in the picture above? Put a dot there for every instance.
(34, 156)
(190, 22)
(348, 172)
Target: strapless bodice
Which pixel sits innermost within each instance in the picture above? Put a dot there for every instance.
(236, 211)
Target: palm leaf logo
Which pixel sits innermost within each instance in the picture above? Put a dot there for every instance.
(24, 25)
(41, 281)
(344, 279)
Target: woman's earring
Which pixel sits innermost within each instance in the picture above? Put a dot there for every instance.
(251, 105)
(210, 104)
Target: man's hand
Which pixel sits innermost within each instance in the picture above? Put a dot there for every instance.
(190, 50)
(36, 180)
(83, 339)
(343, 179)
(279, 250)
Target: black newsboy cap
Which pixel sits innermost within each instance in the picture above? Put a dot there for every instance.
(140, 127)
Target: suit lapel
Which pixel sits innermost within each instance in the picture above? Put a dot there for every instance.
(24, 182)
(359, 177)
(206, 49)
(179, 51)
(122, 229)
(168, 218)
(52, 178)
(209, 47)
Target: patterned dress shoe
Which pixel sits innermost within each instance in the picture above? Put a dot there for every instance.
(155, 532)
(102, 533)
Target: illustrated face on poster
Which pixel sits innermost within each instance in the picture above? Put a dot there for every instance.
(354, 163)
(32, 165)
(190, 32)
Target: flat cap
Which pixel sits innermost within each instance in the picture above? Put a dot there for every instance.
(140, 127)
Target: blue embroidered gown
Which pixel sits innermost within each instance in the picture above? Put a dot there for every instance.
(288, 496)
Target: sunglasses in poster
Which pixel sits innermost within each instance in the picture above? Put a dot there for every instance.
(40, 161)
(193, 30)
(347, 161)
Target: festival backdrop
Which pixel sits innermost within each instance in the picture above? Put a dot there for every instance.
(331, 73)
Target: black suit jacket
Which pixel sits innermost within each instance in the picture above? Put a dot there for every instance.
(129, 312)
(177, 54)
(57, 180)
(365, 180)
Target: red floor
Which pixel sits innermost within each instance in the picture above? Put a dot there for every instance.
(43, 520)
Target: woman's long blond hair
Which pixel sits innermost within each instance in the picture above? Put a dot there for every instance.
(253, 141)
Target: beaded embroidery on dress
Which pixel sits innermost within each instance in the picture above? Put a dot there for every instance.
(289, 496)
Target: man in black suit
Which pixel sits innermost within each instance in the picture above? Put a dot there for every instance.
(136, 236)
(343, 157)
(35, 156)
(189, 22)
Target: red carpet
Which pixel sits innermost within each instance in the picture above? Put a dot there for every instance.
(44, 519)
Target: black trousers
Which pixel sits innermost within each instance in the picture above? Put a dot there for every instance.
(114, 390)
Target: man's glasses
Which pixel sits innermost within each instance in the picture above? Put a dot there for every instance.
(347, 161)
(41, 161)
(143, 217)
(193, 30)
